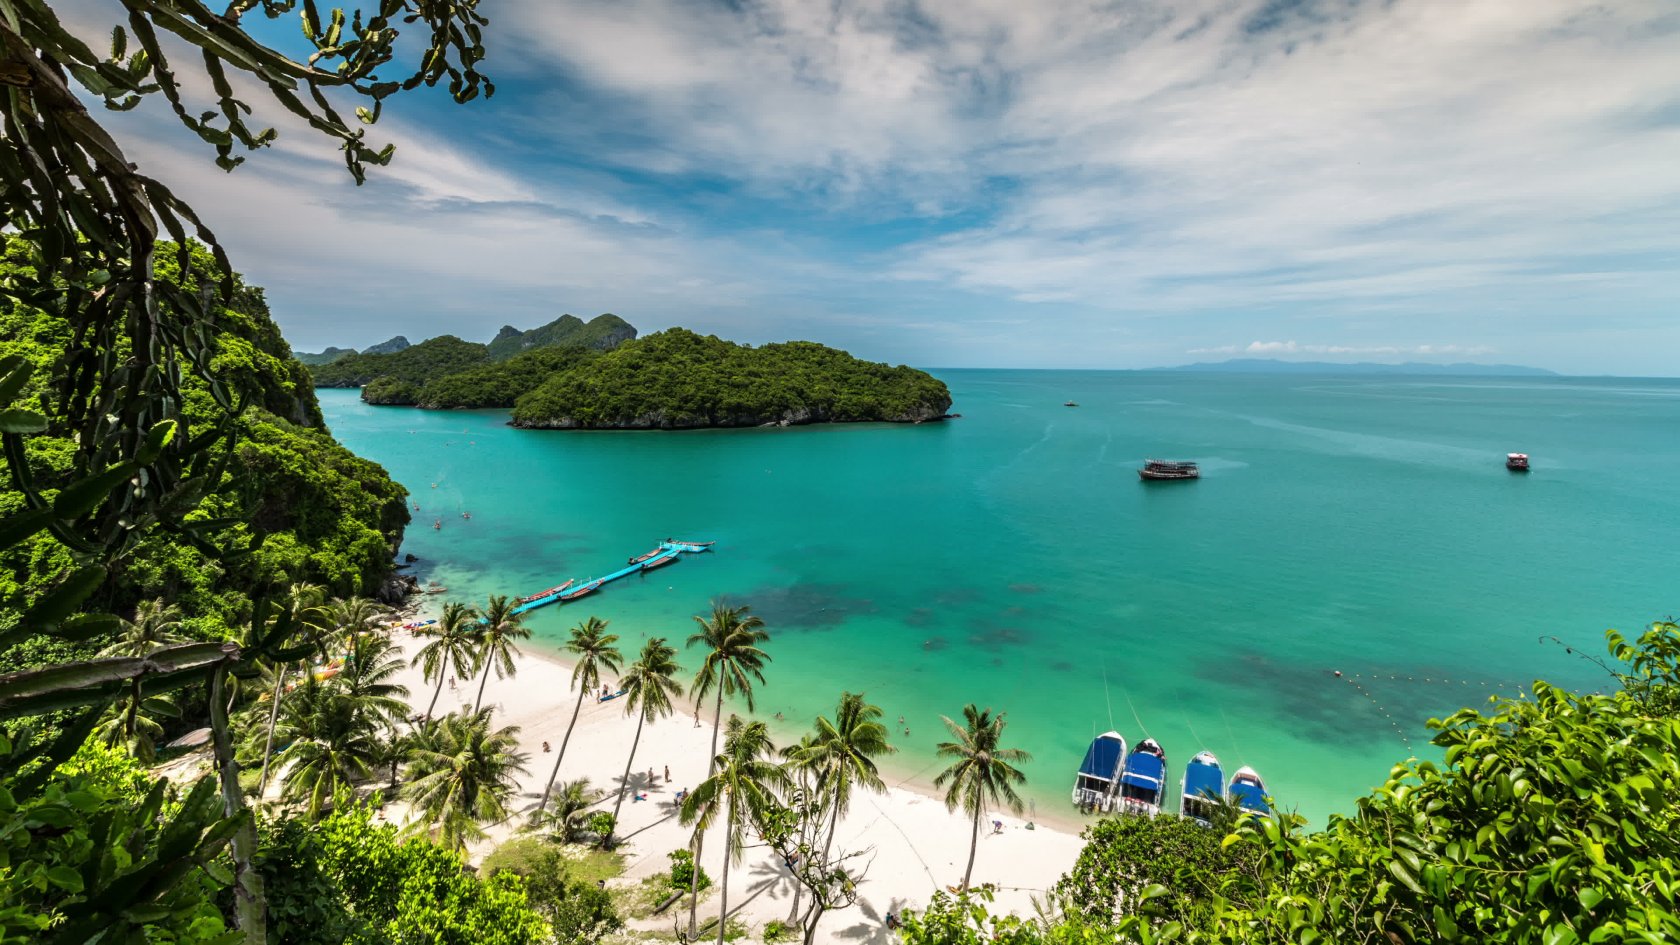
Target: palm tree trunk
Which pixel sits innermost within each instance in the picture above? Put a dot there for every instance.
(973, 846)
(728, 848)
(488, 659)
(828, 844)
(625, 784)
(250, 904)
(560, 757)
(699, 836)
(273, 716)
(442, 668)
(798, 883)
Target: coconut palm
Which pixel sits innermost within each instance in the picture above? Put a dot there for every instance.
(462, 775)
(370, 665)
(132, 723)
(500, 626)
(593, 646)
(741, 789)
(353, 616)
(982, 772)
(453, 650)
(331, 743)
(153, 627)
(571, 802)
(844, 753)
(651, 693)
(731, 636)
(300, 608)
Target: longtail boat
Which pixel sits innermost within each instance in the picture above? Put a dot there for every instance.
(580, 591)
(693, 544)
(1167, 469)
(659, 562)
(646, 555)
(548, 593)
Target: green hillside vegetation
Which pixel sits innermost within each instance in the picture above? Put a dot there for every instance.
(678, 379)
(494, 385)
(297, 506)
(416, 364)
(600, 333)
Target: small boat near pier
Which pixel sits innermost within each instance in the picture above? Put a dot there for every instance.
(1094, 785)
(547, 593)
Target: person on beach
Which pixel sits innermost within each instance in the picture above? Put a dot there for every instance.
(545, 748)
(667, 774)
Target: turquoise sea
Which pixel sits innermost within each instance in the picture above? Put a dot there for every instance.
(1013, 559)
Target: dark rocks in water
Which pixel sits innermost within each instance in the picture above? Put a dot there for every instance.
(396, 589)
(410, 559)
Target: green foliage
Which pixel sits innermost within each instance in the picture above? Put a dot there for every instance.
(391, 391)
(678, 379)
(98, 847)
(682, 876)
(574, 903)
(776, 931)
(499, 383)
(316, 359)
(1183, 863)
(350, 879)
(461, 775)
(433, 357)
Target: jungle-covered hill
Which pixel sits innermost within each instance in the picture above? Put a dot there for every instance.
(677, 379)
(299, 506)
(406, 371)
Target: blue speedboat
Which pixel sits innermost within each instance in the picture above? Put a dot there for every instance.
(1093, 788)
(1204, 787)
(1143, 784)
(1249, 791)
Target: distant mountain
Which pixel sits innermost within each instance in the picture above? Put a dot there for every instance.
(325, 357)
(446, 371)
(388, 347)
(1274, 366)
(600, 333)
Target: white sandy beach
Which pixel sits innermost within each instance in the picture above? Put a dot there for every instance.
(915, 845)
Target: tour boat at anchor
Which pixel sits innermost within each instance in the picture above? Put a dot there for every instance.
(1204, 786)
(1249, 792)
(1516, 462)
(1093, 787)
(1164, 469)
(1143, 785)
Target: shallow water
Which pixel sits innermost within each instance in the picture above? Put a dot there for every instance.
(1012, 558)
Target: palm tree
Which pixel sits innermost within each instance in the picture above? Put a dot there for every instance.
(571, 802)
(330, 741)
(461, 775)
(353, 616)
(453, 650)
(365, 679)
(500, 627)
(982, 772)
(651, 693)
(741, 789)
(843, 755)
(153, 627)
(302, 607)
(593, 646)
(732, 635)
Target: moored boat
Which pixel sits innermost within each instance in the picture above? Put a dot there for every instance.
(1250, 792)
(1143, 783)
(652, 563)
(1070, 404)
(1204, 786)
(1516, 462)
(1160, 469)
(582, 589)
(690, 544)
(1093, 787)
(547, 593)
(646, 555)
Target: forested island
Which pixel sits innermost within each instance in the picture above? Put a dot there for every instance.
(598, 375)
(677, 379)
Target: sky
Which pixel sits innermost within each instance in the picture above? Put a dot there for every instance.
(997, 183)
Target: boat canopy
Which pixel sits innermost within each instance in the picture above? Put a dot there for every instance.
(1250, 795)
(1102, 759)
(1145, 771)
(1202, 777)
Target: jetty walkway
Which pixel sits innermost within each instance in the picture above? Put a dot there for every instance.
(666, 552)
